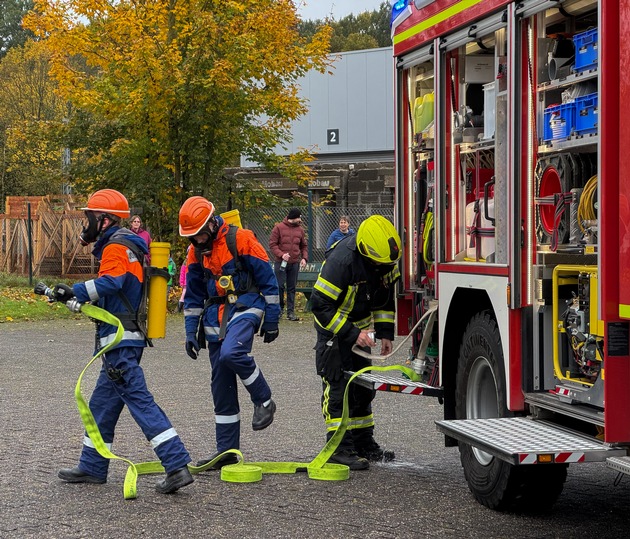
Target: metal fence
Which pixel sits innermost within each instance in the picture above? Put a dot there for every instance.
(69, 259)
(318, 221)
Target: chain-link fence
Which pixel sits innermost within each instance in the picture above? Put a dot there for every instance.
(318, 221)
(57, 251)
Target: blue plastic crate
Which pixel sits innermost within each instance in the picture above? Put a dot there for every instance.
(559, 121)
(586, 114)
(585, 50)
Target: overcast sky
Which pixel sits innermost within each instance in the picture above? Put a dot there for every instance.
(320, 9)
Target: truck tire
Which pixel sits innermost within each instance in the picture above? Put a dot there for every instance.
(481, 393)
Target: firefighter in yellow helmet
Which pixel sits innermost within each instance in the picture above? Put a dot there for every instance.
(118, 290)
(353, 293)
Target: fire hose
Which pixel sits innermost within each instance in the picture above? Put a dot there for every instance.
(318, 468)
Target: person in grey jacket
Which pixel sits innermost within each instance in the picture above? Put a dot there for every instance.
(289, 247)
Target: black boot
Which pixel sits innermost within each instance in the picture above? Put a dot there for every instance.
(174, 481)
(230, 458)
(350, 458)
(373, 452)
(263, 415)
(76, 475)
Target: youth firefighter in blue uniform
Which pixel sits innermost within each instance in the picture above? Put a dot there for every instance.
(118, 290)
(354, 289)
(226, 312)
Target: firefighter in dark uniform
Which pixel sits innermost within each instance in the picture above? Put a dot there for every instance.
(117, 289)
(354, 289)
(228, 317)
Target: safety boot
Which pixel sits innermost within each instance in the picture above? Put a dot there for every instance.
(373, 452)
(230, 458)
(76, 475)
(263, 415)
(174, 481)
(350, 458)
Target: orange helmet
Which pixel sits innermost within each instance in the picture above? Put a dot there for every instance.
(108, 201)
(194, 215)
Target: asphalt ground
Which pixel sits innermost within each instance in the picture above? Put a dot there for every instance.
(421, 494)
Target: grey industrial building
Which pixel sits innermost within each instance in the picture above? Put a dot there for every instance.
(350, 126)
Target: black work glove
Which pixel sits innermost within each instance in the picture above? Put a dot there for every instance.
(192, 346)
(269, 331)
(328, 360)
(62, 292)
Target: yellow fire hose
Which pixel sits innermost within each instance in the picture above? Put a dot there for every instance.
(318, 468)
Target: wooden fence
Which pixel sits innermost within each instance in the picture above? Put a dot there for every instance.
(55, 228)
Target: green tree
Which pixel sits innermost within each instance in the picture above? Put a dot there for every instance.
(11, 32)
(166, 93)
(366, 30)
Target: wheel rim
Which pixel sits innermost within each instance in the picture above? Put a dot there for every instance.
(481, 399)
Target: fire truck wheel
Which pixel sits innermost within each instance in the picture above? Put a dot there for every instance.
(481, 393)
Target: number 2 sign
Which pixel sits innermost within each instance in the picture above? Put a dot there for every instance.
(332, 136)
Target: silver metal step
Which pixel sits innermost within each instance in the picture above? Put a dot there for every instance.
(396, 383)
(520, 440)
(620, 464)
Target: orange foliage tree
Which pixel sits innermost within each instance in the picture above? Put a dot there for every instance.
(166, 93)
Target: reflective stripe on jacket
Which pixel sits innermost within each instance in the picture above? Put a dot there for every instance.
(221, 262)
(350, 294)
(119, 271)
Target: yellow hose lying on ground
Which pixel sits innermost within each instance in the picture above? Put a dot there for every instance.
(318, 468)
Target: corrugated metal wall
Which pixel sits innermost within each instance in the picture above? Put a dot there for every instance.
(357, 100)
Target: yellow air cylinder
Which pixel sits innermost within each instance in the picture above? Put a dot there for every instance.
(156, 309)
(232, 217)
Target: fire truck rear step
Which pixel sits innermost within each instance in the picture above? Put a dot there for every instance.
(620, 464)
(395, 383)
(519, 440)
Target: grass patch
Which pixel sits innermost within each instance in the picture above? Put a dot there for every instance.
(18, 302)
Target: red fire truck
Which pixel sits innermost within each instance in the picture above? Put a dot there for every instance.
(513, 204)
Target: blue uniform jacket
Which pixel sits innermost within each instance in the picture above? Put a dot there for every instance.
(119, 270)
(253, 304)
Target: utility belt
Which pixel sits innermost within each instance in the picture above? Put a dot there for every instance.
(229, 300)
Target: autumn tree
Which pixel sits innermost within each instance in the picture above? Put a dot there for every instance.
(31, 120)
(167, 92)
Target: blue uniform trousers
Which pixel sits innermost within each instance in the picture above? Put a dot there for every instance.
(108, 401)
(230, 358)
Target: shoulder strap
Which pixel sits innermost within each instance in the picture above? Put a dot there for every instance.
(230, 238)
(136, 319)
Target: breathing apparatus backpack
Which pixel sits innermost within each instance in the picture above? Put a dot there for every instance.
(150, 318)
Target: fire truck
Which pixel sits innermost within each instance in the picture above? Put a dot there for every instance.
(512, 201)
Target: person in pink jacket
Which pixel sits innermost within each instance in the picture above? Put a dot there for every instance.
(136, 228)
(182, 282)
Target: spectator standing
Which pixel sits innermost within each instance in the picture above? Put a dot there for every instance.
(182, 282)
(172, 267)
(342, 232)
(290, 249)
(137, 228)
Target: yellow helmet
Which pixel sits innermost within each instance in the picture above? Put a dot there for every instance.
(378, 240)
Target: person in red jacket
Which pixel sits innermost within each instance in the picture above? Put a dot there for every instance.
(289, 247)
